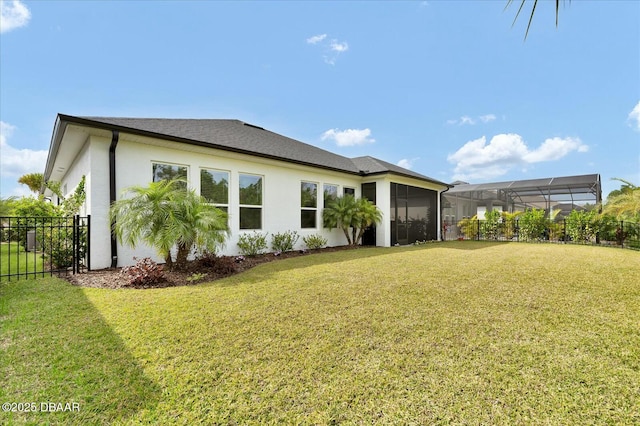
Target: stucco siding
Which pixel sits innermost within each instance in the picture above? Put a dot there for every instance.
(281, 204)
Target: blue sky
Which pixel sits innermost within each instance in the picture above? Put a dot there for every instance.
(447, 88)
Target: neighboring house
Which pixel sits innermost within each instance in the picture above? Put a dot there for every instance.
(257, 176)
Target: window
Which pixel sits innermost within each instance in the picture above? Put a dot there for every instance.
(250, 201)
(214, 187)
(162, 171)
(330, 193)
(349, 191)
(309, 204)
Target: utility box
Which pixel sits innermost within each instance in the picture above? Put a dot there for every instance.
(31, 241)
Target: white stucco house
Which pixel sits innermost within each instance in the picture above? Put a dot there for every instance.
(257, 176)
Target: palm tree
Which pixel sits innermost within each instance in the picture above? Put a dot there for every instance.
(367, 214)
(533, 11)
(33, 180)
(340, 214)
(624, 203)
(346, 212)
(165, 214)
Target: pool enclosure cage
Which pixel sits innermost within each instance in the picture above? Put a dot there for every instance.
(33, 247)
(565, 194)
(464, 207)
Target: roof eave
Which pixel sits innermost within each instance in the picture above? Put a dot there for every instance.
(67, 119)
(56, 139)
(407, 175)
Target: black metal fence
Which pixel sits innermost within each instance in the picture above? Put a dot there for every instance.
(610, 233)
(38, 246)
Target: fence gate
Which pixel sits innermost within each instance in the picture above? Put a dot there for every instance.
(38, 246)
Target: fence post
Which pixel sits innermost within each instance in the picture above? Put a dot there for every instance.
(74, 245)
(564, 230)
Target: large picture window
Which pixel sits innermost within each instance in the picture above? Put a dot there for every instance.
(164, 171)
(250, 201)
(214, 187)
(308, 204)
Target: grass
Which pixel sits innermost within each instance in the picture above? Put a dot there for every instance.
(450, 333)
(15, 260)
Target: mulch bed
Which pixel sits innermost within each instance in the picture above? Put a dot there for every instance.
(224, 266)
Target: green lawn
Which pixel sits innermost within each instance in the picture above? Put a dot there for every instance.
(14, 260)
(448, 333)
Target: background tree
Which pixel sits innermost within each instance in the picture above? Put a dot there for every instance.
(624, 204)
(34, 181)
(6, 206)
(165, 215)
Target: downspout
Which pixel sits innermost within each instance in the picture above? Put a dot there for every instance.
(115, 135)
(442, 237)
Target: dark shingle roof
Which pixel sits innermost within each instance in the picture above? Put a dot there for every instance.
(237, 136)
(233, 135)
(372, 166)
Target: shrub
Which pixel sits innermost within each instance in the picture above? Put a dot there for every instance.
(144, 272)
(252, 244)
(532, 225)
(284, 241)
(582, 226)
(469, 227)
(491, 225)
(196, 276)
(33, 214)
(219, 265)
(315, 241)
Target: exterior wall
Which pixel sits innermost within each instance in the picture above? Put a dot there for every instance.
(281, 208)
(97, 187)
(93, 162)
(281, 188)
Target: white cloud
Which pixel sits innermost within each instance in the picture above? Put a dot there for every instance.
(465, 119)
(407, 163)
(13, 14)
(634, 117)
(554, 149)
(478, 160)
(339, 46)
(349, 137)
(16, 162)
(332, 47)
(316, 38)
